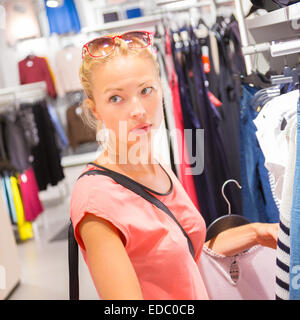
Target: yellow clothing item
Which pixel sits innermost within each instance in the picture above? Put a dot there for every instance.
(50, 71)
(24, 227)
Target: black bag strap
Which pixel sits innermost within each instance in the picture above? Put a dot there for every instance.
(134, 187)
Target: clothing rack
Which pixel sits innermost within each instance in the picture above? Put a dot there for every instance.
(276, 49)
(23, 93)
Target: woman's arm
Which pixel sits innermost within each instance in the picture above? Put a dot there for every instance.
(110, 266)
(238, 239)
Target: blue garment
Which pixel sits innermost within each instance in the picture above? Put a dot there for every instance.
(257, 199)
(10, 198)
(295, 224)
(61, 133)
(4, 196)
(63, 19)
(134, 13)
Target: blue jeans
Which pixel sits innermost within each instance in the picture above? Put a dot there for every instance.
(257, 199)
(295, 224)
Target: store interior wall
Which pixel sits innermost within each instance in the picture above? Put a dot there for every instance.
(90, 13)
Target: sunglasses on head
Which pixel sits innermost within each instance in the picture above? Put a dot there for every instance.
(103, 46)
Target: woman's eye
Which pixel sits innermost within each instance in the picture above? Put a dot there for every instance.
(147, 90)
(115, 99)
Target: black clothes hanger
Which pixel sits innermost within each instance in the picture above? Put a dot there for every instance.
(225, 222)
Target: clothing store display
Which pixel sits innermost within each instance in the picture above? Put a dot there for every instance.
(295, 221)
(134, 13)
(257, 199)
(168, 112)
(35, 69)
(200, 113)
(18, 150)
(269, 133)
(18, 15)
(229, 114)
(28, 125)
(10, 199)
(62, 139)
(110, 17)
(46, 163)
(63, 19)
(29, 191)
(78, 131)
(67, 64)
(24, 227)
(276, 134)
(249, 275)
(225, 85)
(153, 224)
(185, 172)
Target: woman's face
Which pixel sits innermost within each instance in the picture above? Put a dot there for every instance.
(127, 93)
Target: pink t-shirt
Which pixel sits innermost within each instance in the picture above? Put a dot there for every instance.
(156, 246)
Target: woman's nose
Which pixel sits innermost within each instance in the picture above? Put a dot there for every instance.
(138, 111)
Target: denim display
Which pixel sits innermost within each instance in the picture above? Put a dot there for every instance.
(295, 224)
(257, 199)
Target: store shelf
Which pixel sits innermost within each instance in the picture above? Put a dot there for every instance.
(282, 15)
(279, 25)
(138, 23)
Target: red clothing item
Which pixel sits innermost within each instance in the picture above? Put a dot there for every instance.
(35, 69)
(30, 195)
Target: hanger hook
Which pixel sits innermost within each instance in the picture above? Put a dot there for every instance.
(223, 187)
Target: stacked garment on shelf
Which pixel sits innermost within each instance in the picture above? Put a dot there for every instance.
(277, 135)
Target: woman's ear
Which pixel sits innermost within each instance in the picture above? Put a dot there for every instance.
(92, 106)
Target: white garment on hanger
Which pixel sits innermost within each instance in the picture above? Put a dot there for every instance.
(252, 275)
(272, 139)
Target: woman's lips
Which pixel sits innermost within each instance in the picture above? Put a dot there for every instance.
(141, 130)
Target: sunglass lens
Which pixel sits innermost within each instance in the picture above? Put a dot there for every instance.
(101, 47)
(136, 39)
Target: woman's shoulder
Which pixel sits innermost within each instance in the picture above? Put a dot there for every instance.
(91, 185)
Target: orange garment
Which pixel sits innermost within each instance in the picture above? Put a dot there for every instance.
(155, 244)
(51, 72)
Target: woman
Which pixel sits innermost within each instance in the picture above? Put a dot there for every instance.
(134, 250)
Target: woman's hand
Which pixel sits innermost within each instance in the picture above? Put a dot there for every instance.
(267, 234)
(235, 240)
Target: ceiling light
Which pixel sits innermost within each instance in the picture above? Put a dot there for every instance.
(54, 3)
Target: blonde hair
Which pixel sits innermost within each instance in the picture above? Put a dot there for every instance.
(88, 66)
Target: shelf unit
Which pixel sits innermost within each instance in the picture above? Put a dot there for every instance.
(282, 15)
(278, 25)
